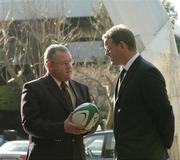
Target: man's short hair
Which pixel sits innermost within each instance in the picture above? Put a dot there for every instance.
(120, 33)
(52, 49)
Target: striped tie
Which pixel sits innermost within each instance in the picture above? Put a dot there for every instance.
(66, 93)
(121, 77)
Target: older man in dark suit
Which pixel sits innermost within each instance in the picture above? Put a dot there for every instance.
(143, 116)
(46, 107)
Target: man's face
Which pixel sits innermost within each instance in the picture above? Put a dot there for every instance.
(114, 51)
(61, 66)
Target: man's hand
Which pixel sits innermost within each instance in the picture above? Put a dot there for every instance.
(71, 128)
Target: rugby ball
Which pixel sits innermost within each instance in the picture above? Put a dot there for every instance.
(86, 115)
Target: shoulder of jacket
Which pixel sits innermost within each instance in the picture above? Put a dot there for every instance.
(34, 81)
(78, 83)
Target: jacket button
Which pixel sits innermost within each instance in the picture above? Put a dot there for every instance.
(73, 140)
(119, 110)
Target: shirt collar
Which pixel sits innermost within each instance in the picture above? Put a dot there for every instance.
(59, 82)
(130, 62)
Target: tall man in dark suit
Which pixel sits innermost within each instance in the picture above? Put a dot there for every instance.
(143, 116)
(46, 111)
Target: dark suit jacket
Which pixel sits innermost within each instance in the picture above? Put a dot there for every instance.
(143, 118)
(43, 113)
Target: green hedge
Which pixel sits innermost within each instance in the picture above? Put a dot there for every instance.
(9, 97)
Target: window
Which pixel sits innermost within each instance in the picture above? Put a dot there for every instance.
(94, 145)
(109, 148)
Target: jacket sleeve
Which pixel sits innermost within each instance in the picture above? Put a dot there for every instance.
(32, 120)
(155, 96)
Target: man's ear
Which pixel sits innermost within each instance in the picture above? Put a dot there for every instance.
(49, 65)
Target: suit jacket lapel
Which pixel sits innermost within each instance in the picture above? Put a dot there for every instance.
(77, 95)
(117, 88)
(129, 76)
(55, 90)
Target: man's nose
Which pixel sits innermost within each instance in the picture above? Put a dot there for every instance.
(69, 65)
